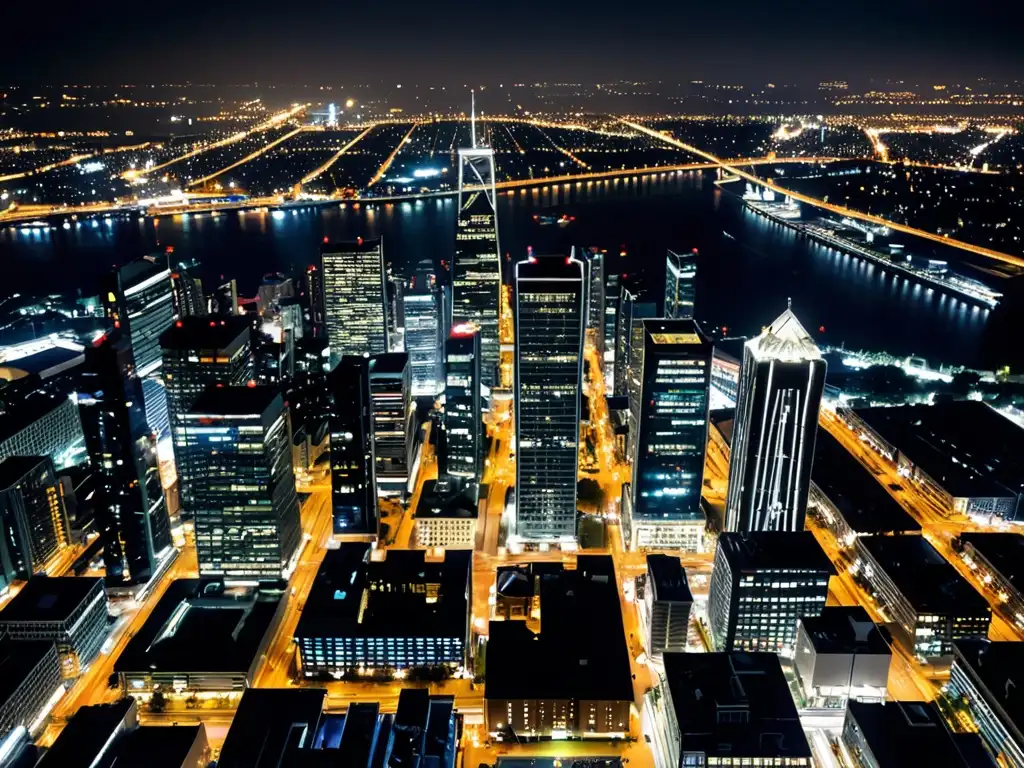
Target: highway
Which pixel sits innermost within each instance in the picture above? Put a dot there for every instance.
(248, 158)
(334, 158)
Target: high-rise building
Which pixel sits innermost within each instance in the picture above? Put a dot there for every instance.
(476, 277)
(197, 352)
(394, 417)
(672, 432)
(680, 286)
(612, 291)
(33, 521)
(42, 422)
(396, 288)
(226, 298)
(594, 259)
(187, 294)
(315, 299)
(245, 507)
(131, 516)
(423, 337)
(463, 427)
(666, 605)
(353, 475)
(629, 341)
(548, 374)
(781, 381)
(355, 297)
(139, 301)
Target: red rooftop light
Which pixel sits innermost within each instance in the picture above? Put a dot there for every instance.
(178, 324)
(251, 384)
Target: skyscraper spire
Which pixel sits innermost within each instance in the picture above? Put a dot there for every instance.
(472, 114)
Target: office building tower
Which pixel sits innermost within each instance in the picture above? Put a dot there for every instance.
(31, 684)
(273, 359)
(394, 419)
(680, 284)
(187, 294)
(548, 375)
(33, 521)
(396, 288)
(315, 299)
(672, 431)
(423, 338)
(761, 585)
(666, 605)
(629, 347)
(225, 299)
(272, 291)
(593, 259)
(197, 352)
(612, 295)
(42, 422)
(353, 469)
(781, 381)
(245, 508)
(462, 425)
(138, 301)
(476, 273)
(355, 297)
(131, 516)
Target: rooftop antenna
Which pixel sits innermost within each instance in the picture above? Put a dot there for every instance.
(472, 114)
(789, 302)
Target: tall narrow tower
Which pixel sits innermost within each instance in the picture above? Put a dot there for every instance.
(680, 290)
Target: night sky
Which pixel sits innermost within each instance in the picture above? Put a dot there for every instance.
(312, 41)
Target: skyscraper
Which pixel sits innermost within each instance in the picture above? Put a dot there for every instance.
(548, 374)
(594, 258)
(612, 291)
(476, 281)
(138, 301)
(462, 419)
(672, 431)
(33, 520)
(629, 337)
(355, 298)
(315, 298)
(353, 475)
(187, 294)
(394, 414)
(680, 287)
(131, 516)
(197, 352)
(423, 334)
(781, 381)
(245, 507)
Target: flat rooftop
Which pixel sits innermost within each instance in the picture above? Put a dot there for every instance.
(155, 746)
(47, 362)
(902, 733)
(844, 629)
(85, 735)
(50, 598)
(353, 596)
(923, 577)
(18, 658)
(14, 468)
(389, 364)
(206, 333)
(706, 687)
(235, 401)
(268, 722)
(667, 578)
(865, 505)
(26, 410)
(969, 448)
(1004, 551)
(580, 651)
(463, 504)
(758, 551)
(997, 665)
(189, 631)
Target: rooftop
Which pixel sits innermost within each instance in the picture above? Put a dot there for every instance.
(206, 333)
(902, 733)
(50, 598)
(668, 579)
(462, 504)
(709, 690)
(580, 651)
(16, 416)
(14, 468)
(997, 666)
(46, 362)
(235, 401)
(923, 576)
(796, 551)
(18, 658)
(844, 629)
(155, 746)
(784, 340)
(353, 596)
(360, 245)
(228, 627)
(1003, 551)
(862, 501)
(549, 267)
(666, 332)
(86, 734)
(267, 722)
(389, 364)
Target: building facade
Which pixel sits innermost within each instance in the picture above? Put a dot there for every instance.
(462, 421)
(353, 468)
(44, 423)
(612, 291)
(548, 378)
(666, 602)
(355, 297)
(394, 421)
(423, 340)
(672, 432)
(680, 284)
(34, 524)
(781, 382)
(32, 683)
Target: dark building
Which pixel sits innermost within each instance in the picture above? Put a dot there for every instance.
(131, 516)
(572, 678)
(983, 677)
(394, 419)
(225, 299)
(548, 381)
(634, 308)
(187, 294)
(199, 637)
(902, 733)
(462, 421)
(138, 301)
(998, 561)
(666, 604)
(353, 469)
(594, 261)
(246, 511)
(287, 721)
(34, 524)
(355, 297)
(30, 678)
(612, 291)
(672, 432)
(400, 612)
(928, 602)
(761, 585)
(726, 709)
(315, 300)
(781, 383)
(40, 419)
(680, 284)
(70, 611)
(198, 352)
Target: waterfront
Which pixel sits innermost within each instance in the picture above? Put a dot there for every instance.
(744, 279)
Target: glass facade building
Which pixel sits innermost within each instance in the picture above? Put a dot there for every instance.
(463, 427)
(423, 339)
(353, 469)
(612, 295)
(550, 294)
(672, 431)
(680, 284)
(394, 417)
(33, 521)
(355, 297)
(246, 510)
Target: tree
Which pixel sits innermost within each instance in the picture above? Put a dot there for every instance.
(589, 491)
(158, 703)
